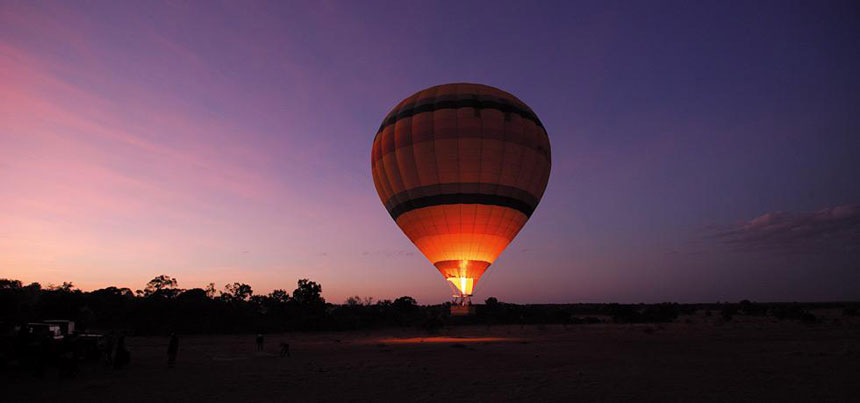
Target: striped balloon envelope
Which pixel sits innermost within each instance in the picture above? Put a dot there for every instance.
(461, 168)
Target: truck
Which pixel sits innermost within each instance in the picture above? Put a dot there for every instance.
(67, 327)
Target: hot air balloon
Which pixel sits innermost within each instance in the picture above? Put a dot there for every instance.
(461, 168)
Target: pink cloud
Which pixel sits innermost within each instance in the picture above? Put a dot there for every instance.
(828, 230)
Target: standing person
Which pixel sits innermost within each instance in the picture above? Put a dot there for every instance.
(110, 344)
(172, 350)
(259, 342)
(285, 349)
(43, 354)
(122, 356)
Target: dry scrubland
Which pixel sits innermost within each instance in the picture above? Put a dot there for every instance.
(697, 358)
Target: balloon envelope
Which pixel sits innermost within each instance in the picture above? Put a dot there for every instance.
(460, 168)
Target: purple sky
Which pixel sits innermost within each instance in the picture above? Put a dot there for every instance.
(702, 151)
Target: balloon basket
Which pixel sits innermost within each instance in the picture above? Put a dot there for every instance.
(462, 310)
(462, 305)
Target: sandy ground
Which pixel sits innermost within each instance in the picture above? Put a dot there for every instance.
(749, 359)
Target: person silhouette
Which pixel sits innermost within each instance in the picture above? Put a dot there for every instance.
(43, 355)
(285, 349)
(259, 342)
(122, 356)
(110, 344)
(172, 350)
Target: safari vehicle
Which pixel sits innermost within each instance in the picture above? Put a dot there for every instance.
(83, 345)
(67, 327)
(39, 330)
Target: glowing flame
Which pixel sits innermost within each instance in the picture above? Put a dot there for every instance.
(463, 284)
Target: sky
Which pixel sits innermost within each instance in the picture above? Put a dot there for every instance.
(702, 151)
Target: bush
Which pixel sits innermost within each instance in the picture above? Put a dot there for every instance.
(808, 317)
(432, 324)
(655, 313)
(752, 309)
(788, 311)
(585, 321)
(728, 312)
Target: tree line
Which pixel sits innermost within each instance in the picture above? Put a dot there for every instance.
(163, 307)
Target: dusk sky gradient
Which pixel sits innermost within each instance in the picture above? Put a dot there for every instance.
(702, 151)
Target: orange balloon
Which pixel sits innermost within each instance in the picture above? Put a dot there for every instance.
(460, 168)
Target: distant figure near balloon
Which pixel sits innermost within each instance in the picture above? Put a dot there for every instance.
(461, 168)
(172, 350)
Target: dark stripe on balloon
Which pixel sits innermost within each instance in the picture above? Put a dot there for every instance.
(457, 104)
(461, 198)
(488, 189)
(392, 146)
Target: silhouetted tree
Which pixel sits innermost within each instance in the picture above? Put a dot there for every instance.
(67, 286)
(161, 286)
(353, 301)
(751, 308)
(10, 284)
(210, 290)
(237, 292)
(384, 303)
(308, 293)
(113, 292)
(358, 301)
(405, 304)
(280, 296)
(194, 294)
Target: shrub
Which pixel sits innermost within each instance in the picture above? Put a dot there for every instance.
(728, 312)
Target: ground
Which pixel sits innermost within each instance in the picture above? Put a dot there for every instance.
(697, 358)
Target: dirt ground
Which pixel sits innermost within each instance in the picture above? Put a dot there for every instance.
(694, 359)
